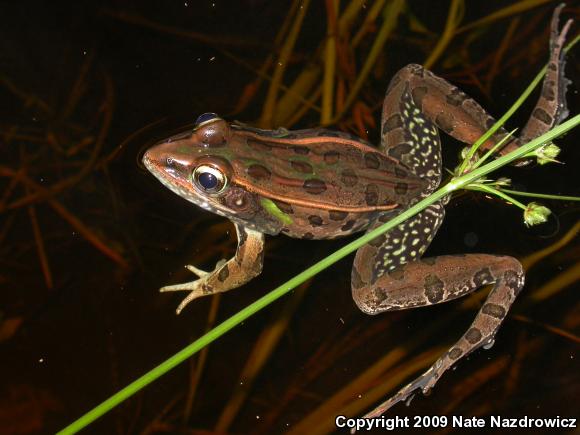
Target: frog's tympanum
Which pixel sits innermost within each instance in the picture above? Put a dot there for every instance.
(323, 184)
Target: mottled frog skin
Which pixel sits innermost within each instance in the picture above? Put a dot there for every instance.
(322, 184)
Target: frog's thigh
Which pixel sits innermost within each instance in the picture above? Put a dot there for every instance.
(416, 99)
(435, 280)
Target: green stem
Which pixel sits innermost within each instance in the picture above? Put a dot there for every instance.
(493, 191)
(542, 195)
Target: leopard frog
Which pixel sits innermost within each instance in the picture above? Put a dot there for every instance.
(323, 184)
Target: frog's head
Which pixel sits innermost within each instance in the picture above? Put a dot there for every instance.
(197, 165)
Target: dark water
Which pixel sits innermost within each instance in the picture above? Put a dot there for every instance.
(92, 84)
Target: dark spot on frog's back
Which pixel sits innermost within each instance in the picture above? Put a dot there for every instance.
(314, 186)
(455, 353)
(473, 335)
(372, 194)
(336, 215)
(303, 167)
(259, 172)
(372, 161)
(401, 188)
(433, 288)
(494, 310)
(348, 225)
(331, 157)
(349, 178)
(400, 173)
(302, 150)
(315, 220)
(542, 115)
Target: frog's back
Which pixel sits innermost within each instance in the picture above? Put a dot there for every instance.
(321, 169)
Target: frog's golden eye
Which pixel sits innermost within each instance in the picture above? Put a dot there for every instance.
(209, 179)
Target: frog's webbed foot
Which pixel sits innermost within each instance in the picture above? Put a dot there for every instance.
(197, 288)
(227, 275)
(193, 285)
(423, 383)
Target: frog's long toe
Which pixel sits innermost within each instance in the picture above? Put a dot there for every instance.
(201, 273)
(423, 383)
(190, 297)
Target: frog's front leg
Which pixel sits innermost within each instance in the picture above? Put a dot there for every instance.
(227, 275)
(388, 275)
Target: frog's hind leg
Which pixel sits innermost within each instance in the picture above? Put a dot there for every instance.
(416, 98)
(388, 275)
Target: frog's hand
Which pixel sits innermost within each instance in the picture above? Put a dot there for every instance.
(227, 275)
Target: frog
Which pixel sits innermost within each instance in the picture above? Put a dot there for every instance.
(323, 184)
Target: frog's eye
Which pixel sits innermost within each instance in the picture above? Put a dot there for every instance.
(209, 179)
(204, 119)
